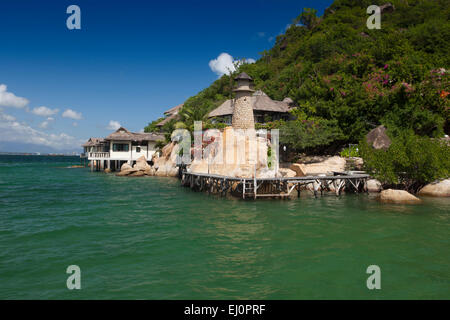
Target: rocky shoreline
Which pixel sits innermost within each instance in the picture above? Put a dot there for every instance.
(164, 165)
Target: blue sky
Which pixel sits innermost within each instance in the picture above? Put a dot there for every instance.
(130, 61)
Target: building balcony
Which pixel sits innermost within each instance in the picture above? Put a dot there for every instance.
(98, 155)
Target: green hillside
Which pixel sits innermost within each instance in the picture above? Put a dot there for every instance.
(347, 79)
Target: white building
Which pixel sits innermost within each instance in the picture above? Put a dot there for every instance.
(119, 147)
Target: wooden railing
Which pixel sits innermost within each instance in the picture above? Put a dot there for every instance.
(98, 154)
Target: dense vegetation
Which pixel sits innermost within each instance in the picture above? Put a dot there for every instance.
(347, 79)
(410, 162)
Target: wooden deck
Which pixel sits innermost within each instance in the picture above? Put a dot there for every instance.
(253, 188)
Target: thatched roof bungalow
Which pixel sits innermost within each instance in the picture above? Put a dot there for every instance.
(171, 114)
(263, 108)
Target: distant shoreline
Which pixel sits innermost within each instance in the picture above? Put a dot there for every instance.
(38, 154)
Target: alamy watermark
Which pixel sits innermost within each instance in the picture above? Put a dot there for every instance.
(374, 280)
(74, 280)
(74, 20)
(242, 146)
(374, 21)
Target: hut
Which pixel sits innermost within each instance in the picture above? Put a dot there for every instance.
(264, 108)
(171, 114)
(119, 147)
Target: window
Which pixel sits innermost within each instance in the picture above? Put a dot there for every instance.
(138, 149)
(121, 147)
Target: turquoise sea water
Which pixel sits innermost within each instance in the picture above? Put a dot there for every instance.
(149, 238)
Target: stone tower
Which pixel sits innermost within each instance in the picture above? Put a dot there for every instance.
(243, 109)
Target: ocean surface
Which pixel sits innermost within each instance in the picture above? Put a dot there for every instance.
(149, 238)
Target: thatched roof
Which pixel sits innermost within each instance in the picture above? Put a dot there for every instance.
(243, 76)
(123, 134)
(93, 142)
(174, 110)
(260, 102)
(172, 116)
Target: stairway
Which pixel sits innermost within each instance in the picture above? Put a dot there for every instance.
(248, 190)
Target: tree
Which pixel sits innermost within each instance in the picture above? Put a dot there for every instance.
(308, 18)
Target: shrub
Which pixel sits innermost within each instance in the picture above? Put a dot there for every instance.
(309, 135)
(411, 161)
(351, 151)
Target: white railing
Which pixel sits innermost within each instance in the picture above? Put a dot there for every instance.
(98, 154)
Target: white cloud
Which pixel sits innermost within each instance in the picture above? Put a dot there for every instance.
(44, 111)
(113, 125)
(45, 124)
(225, 63)
(222, 65)
(9, 99)
(69, 113)
(6, 117)
(20, 132)
(75, 124)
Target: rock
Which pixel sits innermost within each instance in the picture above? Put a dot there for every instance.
(149, 171)
(166, 171)
(378, 138)
(141, 164)
(387, 8)
(374, 185)
(398, 196)
(299, 169)
(287, 173)
(436, 189)
(107, 170)
(125, 166)
(166, 151)
(265, 173)
(137, 174)
(125, 172)
(332, 164)
(233, 154)
(166, 164)
(243, 171)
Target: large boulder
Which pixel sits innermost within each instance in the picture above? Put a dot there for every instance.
(141, 164)
(166, 171)
(287, 173)
(374, 185)
(333, 164)
(299, 169)
(126, 172)
(378, 139)
(137, 174)
(265, 173)
(398, 196)
(166, 164)
(436, 189)
(234, 153)
(125, 166)
(387, 8)
(149, 171)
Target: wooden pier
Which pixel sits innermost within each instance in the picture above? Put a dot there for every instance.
(252, 188)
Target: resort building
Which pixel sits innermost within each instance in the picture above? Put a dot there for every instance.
(171, 114)
(264, 108)
(94, 145)
(119, 147)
